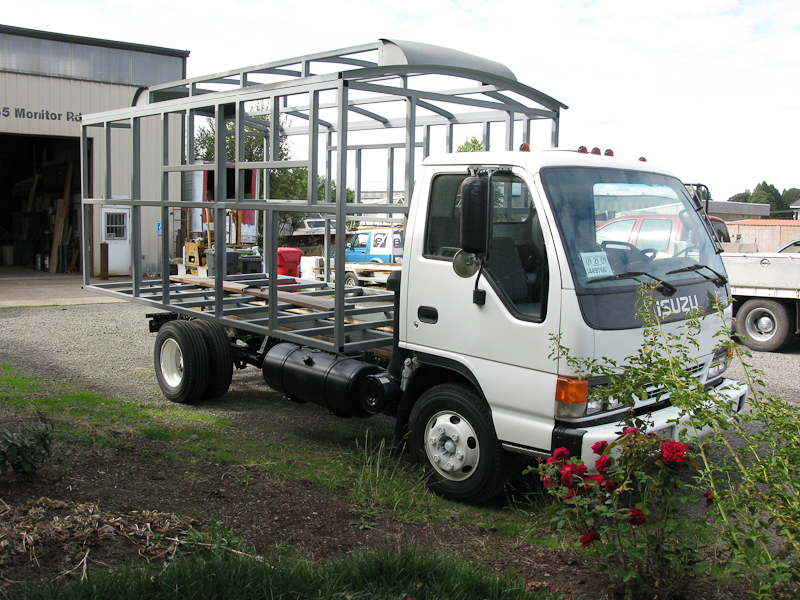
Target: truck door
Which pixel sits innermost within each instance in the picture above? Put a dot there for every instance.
(504, 342)
(358, 247)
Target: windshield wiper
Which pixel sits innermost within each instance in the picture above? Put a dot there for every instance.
(670, 289)
(719, 280)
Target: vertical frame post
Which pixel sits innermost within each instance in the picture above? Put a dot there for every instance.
(554, 129)
(411, 144)
(510, 131)
(136, 210)
(390, 176)
(165, 228)
(313, 145)
(86, 223)
(341, 214)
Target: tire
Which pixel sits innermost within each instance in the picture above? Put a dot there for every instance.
(220, 359)
(181, 361)
(350, 279)
(764, 325)
(451, 434)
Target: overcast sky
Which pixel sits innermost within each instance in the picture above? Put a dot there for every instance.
(709, 89)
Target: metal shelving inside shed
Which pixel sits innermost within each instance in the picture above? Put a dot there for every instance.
(406, 94)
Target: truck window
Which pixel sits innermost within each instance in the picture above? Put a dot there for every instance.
(616, 230)
(654, 233)
(443, 232)
(517, 264)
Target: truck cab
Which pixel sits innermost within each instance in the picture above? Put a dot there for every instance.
(379, 245)
(543, 272)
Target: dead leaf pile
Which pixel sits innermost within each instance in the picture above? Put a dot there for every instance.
(45, 524)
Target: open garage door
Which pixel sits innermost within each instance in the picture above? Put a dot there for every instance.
(40, 202)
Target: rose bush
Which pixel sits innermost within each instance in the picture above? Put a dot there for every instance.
(630, 511)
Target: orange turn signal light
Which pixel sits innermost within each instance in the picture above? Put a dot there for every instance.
(570, 390)
(583, 150)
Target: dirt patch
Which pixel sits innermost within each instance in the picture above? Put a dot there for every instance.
(128, 507)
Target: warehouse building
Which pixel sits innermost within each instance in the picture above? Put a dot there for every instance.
(47, 82)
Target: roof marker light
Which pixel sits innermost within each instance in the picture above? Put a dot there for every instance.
(583, 150)
(596, 151)
(643, 159)
(524, 147)
(609, 152)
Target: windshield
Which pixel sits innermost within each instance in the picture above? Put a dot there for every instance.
(621, 228)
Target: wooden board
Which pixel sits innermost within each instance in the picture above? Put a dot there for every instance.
(62, 215)
(292, 298)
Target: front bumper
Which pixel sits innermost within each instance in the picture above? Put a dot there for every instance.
(667, 422)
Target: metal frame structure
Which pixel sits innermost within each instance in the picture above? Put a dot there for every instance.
(323, 98)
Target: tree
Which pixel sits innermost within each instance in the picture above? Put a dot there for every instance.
(790, 196)
(288, 184)
(741, 197)
(471, 145)
(766, 193)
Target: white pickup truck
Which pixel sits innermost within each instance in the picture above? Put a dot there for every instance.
(766, 287)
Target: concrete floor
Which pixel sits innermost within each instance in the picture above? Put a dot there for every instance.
(20, 286)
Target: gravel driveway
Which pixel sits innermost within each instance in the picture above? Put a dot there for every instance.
(107, 348)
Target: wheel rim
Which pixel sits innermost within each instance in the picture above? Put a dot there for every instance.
(760, 324)
(171, 363)
(452, 446)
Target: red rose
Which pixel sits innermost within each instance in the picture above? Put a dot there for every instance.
(561, 454)
(673, 454)
(636, 517)
(546, 481)
(709, 498)
(630, 430)
(608, 485)
(569, 472)
(600, 447)
(589, 537)
(602, 464)
(593, 480)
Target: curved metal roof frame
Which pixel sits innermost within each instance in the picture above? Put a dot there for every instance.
(395, 58)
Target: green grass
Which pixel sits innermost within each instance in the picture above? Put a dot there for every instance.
(219, 573)
(356, 467)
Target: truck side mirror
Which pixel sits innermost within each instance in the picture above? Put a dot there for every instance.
(475, 223)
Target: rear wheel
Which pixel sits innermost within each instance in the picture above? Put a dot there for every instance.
(764, 325)
(220, 359)
(350, 279)
(451, 434)
(181, 361)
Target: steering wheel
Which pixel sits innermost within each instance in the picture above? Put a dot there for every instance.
(647, 254)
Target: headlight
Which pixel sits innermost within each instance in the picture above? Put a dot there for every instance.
(720, 362)
(598, 405)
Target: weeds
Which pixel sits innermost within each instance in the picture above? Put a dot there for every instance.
(23, 452)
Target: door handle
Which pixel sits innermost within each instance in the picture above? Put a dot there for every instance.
(428, 314)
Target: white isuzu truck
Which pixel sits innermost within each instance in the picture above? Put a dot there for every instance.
(500, 255)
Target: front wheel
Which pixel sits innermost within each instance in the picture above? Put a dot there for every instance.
(451, 434)
(764, 325)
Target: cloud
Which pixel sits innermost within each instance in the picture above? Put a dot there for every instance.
(707, 89)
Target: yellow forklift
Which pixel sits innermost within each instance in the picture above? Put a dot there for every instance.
(197, 242)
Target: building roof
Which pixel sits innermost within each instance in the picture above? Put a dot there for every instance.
(76, 39)
(768, 222)
(722, 207)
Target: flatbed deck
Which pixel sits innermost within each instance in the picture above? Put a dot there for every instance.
(304, 311)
